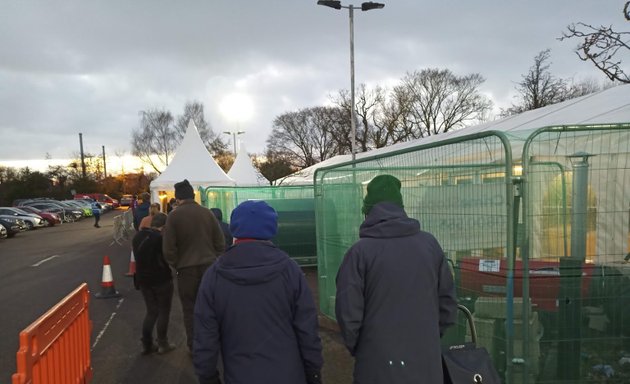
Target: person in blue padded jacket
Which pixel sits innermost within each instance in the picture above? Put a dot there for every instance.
(255, 308)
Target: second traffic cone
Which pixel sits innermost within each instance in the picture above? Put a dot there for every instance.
(107, 282)
(132, 265)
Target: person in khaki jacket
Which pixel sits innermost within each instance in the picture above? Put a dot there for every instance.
(192, 240)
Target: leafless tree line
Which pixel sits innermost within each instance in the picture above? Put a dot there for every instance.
(424, 103)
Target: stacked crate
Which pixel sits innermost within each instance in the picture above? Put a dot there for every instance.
(490, 323)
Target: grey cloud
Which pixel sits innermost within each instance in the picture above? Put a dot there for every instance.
(77, 66)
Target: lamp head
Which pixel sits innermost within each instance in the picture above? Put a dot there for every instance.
(330, 3)
(371, 5)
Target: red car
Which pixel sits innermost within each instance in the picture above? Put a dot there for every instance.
(50, 217)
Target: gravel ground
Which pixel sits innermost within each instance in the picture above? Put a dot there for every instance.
(338, 363)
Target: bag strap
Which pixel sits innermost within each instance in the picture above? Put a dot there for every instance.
(471, 324)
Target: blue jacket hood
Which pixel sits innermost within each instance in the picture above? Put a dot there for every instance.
(252, 262)
(387, 220)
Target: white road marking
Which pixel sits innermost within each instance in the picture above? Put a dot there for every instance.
(111, 317)
(45, 260)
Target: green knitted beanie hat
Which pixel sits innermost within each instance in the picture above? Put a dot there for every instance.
(382, 188)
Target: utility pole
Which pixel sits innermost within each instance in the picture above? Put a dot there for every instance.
(104, 163)
(82, 155)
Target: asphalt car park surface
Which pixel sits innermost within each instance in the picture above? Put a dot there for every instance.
(39, 268)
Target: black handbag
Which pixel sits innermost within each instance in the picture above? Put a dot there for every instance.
(466, 363)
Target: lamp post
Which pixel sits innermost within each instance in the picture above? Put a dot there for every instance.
(364, 7)
(234, 134)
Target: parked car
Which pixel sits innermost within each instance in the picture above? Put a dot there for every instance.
(3, 232)
(67, 215)
(100, 197)
(33, 221)
(126, 200)
(80, 204)
(12, 225)
(51, 217)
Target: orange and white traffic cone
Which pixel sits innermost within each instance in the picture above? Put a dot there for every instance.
(107, 282)
(132, 265)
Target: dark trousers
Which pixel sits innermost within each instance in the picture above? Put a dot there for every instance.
(158, 300)
(188, 280)
(97, 217)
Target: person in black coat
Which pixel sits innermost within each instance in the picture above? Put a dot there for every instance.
(153, 278)
(142, 210)
(254, 307)
(224, 226)
(395, 294)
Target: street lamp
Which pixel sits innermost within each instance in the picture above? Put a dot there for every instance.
(234, 134)
(364, 7)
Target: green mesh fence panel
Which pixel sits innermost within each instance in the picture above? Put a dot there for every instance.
(459, 190)
(296, 215)
(577, 225)
(538, 245)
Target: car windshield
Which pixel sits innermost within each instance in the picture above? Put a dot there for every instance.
(21, 211)
(48, 206)
(66, 205)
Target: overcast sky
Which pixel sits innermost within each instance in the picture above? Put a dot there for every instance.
(70, 67)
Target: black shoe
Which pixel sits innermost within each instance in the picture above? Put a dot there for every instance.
(165, 348)
(147, 350)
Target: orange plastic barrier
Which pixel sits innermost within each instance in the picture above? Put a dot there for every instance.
(55, 349)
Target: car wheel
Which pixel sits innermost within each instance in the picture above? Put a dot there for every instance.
(30, 225)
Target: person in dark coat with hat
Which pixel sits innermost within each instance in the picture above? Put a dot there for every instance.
(255, 308)
(192, 240)
(153, 278)
(142, 210)
(395, 294)
(224, 226)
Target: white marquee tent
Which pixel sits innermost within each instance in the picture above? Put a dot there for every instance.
(193, 162)
(243, 172)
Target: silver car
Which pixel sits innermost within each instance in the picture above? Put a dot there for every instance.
(32, 220)
(12, 224)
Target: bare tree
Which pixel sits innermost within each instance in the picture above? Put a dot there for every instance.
(156, 140)
(602, 46)
(193, 110)
(159, 135)
(367, 107)
(306, 137)
(274, 166)
(381, 117)
(438, 101)
(582, 88)
(539, 87)
(424, 103)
